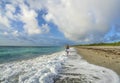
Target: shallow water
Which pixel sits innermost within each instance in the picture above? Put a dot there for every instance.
(86, 72)
(44, 69)
(38, 70)
(15, 53)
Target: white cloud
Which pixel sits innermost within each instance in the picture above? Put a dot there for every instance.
(5, 33)
(31, 26)
(15, 33)
(85, 20)
(81, 20)
(4, 21)
(10, 10)
(45, 28)
(36, 4)
(28, 16)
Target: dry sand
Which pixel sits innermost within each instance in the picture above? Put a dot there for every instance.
(106, 56)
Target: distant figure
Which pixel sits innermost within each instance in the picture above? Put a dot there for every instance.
(67, 49)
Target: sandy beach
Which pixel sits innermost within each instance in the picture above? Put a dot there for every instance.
(57, 68)
(78, 70)
(106, 56)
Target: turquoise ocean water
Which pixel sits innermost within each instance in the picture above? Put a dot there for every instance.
(14, 53)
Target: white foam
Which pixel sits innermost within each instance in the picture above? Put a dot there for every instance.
(92, 73)
(39, 70)
(44, 69)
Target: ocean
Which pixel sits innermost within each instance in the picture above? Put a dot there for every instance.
(30, 64)
(43, 65)
(15, 53)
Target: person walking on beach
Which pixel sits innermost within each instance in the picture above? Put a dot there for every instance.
(67, 49)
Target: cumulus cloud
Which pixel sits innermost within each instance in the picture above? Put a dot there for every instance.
(28, 16)
(85, 20)
(10, 10)
(79, 20)
(4, 21)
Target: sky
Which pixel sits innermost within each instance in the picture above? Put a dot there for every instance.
(59, 22)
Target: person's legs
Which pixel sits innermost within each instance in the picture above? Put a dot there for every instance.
(67, 52)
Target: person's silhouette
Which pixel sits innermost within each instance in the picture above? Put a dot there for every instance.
(67, 49)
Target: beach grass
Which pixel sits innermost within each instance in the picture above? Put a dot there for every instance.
(101, 44)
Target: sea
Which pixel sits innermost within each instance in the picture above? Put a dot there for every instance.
(23, 64)
(17, 53)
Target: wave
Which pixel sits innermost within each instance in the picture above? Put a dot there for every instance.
(45, 68)
(89, 73)
(38, 70)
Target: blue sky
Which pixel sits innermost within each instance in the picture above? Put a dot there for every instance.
(58, 22)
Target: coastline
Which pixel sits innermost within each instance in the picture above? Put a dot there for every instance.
(56, 68)
(77, 70)
(106, 56)
(41, 69)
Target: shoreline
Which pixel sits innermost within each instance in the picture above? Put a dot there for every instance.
(37, 70)
(77, 70)
(106, 56)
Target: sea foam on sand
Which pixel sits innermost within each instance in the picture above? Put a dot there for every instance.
(45, 68)
(38, 70)
(84, 72)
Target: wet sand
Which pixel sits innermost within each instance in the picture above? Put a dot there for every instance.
(106, 56)
(77, 70)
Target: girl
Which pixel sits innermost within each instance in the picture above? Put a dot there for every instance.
(67, 49)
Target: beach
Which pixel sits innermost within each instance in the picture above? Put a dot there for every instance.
(77, 70)
(57, 67)
(106, 56)
(30, 64)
